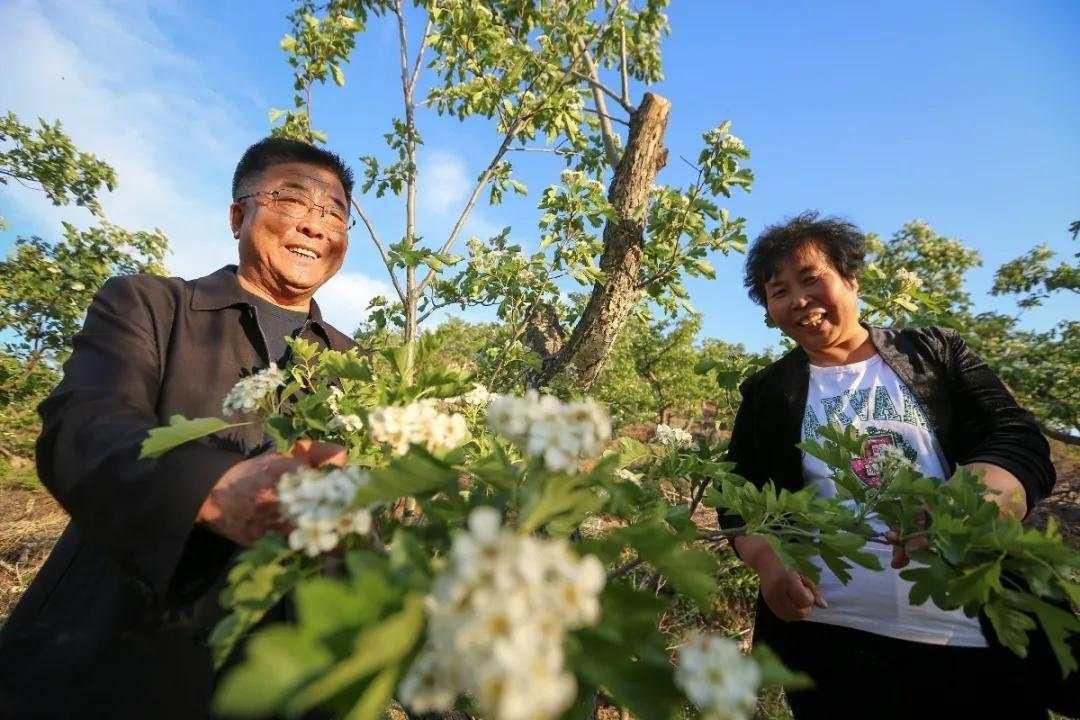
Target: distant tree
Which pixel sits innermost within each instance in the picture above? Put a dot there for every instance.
(45, 287)
(1041, 368)
(45, 159)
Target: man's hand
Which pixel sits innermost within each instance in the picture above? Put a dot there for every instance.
(1004, 490)
(243, 506)
(787, 593)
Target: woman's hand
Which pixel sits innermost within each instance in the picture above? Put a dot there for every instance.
(1004, 490)
(789, 594)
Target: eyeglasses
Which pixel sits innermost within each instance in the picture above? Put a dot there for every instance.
(298, 205)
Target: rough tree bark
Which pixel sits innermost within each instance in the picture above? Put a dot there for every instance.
(614, 297)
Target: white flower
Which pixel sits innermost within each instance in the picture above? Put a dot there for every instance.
(248, 392)
(314, 535)
(909, 281)
(497, 620)
(674, 437)
(717, 677)
(428, 686)
(347, 423)
(318, 502)
(562, 434)
(419, 423)
(889, 459)
(479, 396)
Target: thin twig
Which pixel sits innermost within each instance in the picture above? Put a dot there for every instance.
(366, 219)
(604, 89)
(624, 568)
(624, 74)
(420, 55)
(609, 117)
(607, 134)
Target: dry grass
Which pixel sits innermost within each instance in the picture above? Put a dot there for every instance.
(30, 524)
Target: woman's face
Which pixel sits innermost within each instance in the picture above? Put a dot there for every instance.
(811, 302)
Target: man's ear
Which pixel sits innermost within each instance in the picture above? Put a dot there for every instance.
(236, 218)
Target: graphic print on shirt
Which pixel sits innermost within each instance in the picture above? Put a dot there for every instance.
(866, 405)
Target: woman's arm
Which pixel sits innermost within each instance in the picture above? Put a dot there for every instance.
(1012, 451)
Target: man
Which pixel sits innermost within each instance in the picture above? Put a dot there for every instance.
(115, 624)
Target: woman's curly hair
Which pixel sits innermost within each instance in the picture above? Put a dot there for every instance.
(841, 241)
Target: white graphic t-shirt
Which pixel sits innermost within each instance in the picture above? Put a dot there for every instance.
(871, 397)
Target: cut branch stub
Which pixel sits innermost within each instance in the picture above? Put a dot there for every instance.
(614, 297)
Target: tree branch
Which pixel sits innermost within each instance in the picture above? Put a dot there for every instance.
(374, 235)
(623, 72)
(1059, 435)
(597, 85)
(612, 118)
(420, 55)
(606, 133)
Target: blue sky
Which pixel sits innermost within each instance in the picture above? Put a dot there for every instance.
(966, 115)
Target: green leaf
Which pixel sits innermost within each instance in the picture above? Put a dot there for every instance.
(774, 671)
(376, 695)
(647, 688)
(374, 649)
(703, 267)
(339, 76)
(691, 570)
(180, 430)
(412, 474)
(1010, 625)
(279, 659)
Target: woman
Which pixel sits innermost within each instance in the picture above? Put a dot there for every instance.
(918, 391)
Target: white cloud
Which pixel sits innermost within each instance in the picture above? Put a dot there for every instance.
(344, 298)
(443, 181)
(172, 126)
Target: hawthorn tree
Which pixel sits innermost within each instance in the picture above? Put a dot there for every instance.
(46, 286)
(553, 77)
(918, 277)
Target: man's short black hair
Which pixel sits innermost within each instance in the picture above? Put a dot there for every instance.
(840, 241)
(272, 151)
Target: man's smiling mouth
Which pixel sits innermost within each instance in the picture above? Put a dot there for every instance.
(303, 252)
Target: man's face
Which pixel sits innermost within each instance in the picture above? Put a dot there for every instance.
(811, 302)
(289, 256)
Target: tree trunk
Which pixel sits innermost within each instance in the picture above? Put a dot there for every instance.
(613, 298)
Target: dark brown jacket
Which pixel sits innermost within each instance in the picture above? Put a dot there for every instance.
(115, 623)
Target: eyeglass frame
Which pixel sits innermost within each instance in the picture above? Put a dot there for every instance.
(311, 204)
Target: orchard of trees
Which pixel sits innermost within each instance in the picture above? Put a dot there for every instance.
(457, 481)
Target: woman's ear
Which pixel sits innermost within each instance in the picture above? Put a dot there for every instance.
(236, 218)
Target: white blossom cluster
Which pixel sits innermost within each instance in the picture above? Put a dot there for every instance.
(248, 392)
(317, 503)
(673, 437)
(909, 281)
(717, 677)
(497, 618)
(419, 423)
(563, 434)
(479, 396)
(888, 459)
(344, 422)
